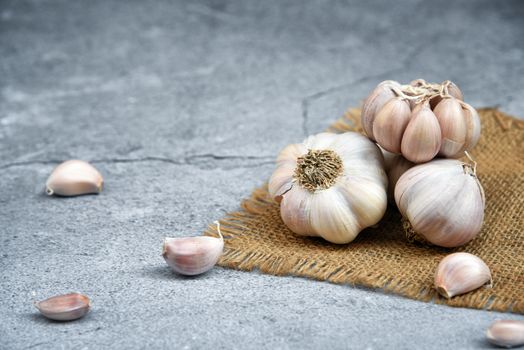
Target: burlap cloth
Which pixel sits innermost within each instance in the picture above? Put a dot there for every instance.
(381, 257)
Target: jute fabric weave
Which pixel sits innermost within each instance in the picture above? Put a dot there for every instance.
(381, 257)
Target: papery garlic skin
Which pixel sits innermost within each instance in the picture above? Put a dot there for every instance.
(192, 255)
(459, 273)
(443, 200)
(349, 201)
(73, 178)
(67, 307)
(506, 333)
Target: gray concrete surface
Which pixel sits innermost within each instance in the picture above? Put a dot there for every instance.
(183, 107)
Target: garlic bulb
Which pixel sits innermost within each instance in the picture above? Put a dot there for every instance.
(331, 185)
(459, 273)
(443, 201)
(506, 333)
(420, 120)
(65, 307)
(193, 255)
(73, 178)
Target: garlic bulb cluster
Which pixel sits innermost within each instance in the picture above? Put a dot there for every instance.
(193, 255)
(74, 178)
(331, 185)
(67, 307)
(420, 120)
(443, 201)
(459, 273)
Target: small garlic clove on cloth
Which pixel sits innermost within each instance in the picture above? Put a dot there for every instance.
(422, 137)
(374, 102)
(73, 178)
(459, 273)
(193, 255)
(65, 307)
(506, 333)
(334, 190)
(443, 201)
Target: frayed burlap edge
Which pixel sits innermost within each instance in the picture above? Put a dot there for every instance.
(248, 258)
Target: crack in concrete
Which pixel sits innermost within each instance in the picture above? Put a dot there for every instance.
(194, 160)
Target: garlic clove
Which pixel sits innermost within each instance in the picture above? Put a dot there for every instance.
(390, 123)
(65, 307)
(453, 90)
(374, 102)
(452, 125)
(339, 220)
(282, 178)
(294, 210)
(395, 165)
(506, 333)
(418, 82)
(472, 127)
(459, 273)
(422, 138)
(73, 178)
(193, 255)
(281, 181)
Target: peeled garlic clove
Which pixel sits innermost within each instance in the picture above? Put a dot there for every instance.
(506, 333)
(422, 137)
(374, 102)
(443, 201)
(460, 273)
(452, 125)
(390, 123)
(73, 178)
(193, 255)
(472, 127)
(65, 307)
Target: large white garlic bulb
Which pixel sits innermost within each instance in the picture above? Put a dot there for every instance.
(331, 185)
(443, 201)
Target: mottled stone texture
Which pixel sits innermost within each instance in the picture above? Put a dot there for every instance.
(183, 107)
